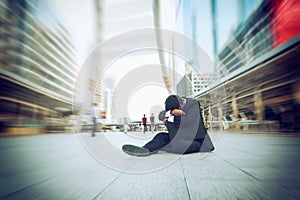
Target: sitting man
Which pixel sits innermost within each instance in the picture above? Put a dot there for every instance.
(186, 131)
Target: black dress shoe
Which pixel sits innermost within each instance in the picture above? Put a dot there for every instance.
(135, 150)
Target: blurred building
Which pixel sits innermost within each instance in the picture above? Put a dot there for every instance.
(259, 73)
(37, 66)
(201, 81)
(255, 46)
(193, 83)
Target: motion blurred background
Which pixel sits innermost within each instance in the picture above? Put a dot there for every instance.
(253, 85)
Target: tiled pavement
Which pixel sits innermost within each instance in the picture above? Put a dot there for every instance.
(73, 166)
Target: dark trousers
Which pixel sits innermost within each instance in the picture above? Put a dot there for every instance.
(145, 128)
(162, 141)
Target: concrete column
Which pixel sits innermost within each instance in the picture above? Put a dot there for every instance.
(235, 112)
(220, 115)
(203, 117)
(210, 117)
(259, 106)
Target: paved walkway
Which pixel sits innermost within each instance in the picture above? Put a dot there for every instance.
(69, 166)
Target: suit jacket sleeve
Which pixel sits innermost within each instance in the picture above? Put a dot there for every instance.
(192, 113)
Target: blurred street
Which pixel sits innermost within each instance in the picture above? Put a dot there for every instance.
(243, 166)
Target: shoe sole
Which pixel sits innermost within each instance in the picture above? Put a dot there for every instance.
(129, 149)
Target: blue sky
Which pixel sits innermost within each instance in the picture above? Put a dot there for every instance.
(197, 16)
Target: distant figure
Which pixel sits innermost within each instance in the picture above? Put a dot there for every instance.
(186, 131)
(152, 123)
(125, 125)
(144, 121)
(94, 126)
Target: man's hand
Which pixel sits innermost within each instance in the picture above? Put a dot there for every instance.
(177, 112)
(165, 121)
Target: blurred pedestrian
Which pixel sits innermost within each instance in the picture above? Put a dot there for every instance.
(152, 123)
(94, 126)
(126, 127)
(144, 121)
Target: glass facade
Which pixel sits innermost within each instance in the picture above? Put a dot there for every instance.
(37, 64)
(254, 46)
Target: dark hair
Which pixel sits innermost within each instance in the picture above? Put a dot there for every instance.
(161, 115)
(173, 102)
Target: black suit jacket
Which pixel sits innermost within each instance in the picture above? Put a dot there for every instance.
(189, 126)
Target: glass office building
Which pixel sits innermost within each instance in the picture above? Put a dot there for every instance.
(37, 66)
